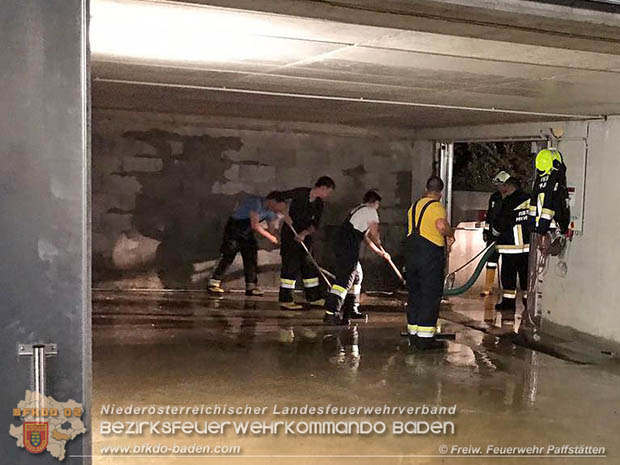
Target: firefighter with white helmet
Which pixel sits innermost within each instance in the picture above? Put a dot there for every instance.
(511, 231)
(495, 205)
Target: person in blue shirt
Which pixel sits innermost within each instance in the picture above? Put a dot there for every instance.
(239, 236)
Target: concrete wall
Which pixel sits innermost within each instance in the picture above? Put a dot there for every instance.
(586, 299)
(164, 186)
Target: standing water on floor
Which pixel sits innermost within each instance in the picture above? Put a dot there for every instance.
(269, 365)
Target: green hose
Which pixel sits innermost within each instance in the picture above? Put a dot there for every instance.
(473, 278)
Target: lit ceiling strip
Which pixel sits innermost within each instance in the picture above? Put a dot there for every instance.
(348, 99)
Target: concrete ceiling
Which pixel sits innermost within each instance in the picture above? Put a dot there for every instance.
(443, 69)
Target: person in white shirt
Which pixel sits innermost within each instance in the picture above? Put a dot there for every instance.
(361, 225)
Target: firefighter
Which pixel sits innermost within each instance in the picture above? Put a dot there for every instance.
(428, 234)
(549, 205)
(495, 201)
(511, 232)
(239, 237)
(361, 225)
(549, 210)
(305, 212)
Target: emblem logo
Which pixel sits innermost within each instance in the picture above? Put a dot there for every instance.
(46, 424)
(36, 436)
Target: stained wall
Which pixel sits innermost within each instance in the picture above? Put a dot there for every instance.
(164, 186)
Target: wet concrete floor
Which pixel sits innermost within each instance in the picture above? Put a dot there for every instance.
(187, 349)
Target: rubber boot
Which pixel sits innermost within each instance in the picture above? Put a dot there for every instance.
(350, 308)
(490, 280)
(429, 343)
(332, 319)
(254, 292)
(507, 307)
(215, 287)
(291, 306)
(357, 315)
(506, 304)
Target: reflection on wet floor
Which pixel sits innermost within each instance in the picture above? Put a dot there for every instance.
(187, 348)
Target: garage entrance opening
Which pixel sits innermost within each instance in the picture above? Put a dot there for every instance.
(197, 106)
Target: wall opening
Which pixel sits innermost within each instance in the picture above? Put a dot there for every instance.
(475, 164)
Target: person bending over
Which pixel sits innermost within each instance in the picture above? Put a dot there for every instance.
(239, 232)
(361, 225)
(305, 211)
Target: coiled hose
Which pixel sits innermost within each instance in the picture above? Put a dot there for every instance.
(447, 292)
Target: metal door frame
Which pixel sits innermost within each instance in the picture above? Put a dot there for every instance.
(444, 158)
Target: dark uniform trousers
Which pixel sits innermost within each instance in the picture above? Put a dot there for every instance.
(493, 209)
(344, 296)
(295, 262)
(238, 237)
(514, 265)
(493, 260)
(512, 231)
(425, 264)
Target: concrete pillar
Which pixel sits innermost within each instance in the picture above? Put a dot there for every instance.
(44, 178)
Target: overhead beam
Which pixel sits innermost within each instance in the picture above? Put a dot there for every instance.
(360, 100)
(517, 21)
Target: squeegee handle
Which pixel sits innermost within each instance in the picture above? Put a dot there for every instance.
(394, 267)
(321, 271)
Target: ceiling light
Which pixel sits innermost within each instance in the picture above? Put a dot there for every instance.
(169, 32)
